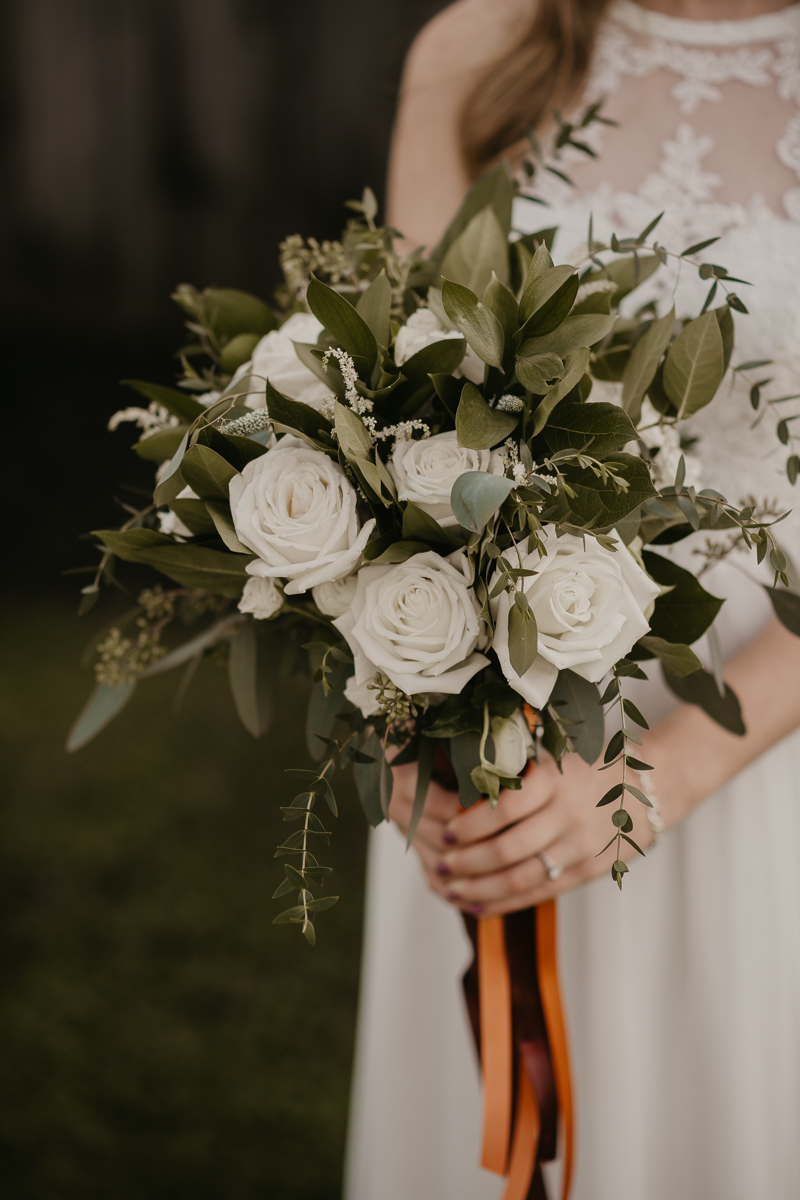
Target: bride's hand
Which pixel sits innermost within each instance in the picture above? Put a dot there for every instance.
(432, 837)
(493, 866)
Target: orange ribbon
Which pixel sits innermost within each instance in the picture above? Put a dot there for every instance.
(494, 982)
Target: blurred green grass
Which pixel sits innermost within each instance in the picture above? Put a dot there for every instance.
(159, 1037)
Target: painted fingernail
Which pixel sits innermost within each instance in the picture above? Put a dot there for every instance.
(442, 868)
(449, 837)
(453, 896)
(476, 909)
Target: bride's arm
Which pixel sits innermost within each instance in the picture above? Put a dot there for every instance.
(427, 179)
(491, 866)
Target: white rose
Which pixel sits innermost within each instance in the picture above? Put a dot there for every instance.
(417, 623)
(261, 597)
(589, 605)
(295, 508)
(275, 359)
(513, 743)
(334, 598)
(425, 471)
(423, 328)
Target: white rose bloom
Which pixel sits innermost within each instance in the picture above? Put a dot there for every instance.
(513, 743)
(334, 598)
(261, 597)
(295, 508)
(423, 328)
(275, 359)
(417, 623)
(425, 471)
(589, 605)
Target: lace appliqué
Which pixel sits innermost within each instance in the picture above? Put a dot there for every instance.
(700, 75)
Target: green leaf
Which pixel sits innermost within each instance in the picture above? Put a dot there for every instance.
(161, 445)
(220, 514)
(230, 312)
(496, 189)
(419, 526)
(236, 450)
(577, 700)
(440, 358)
(536, 372)
(322, 903)
(695, 365)
(478, 426)
(390, 551)
(575, 369)
(573, 332)
(427, 752)
(626, 273)
(180, 404)
(340, 319)
(375, 306)
(188, 650)
(598, 429)
(478, 252)
(101, 708)
(295, 417)
(207, 472)
(787, 608)
(192, 566)
(684, 613)
(238, 351)
(243, 678)
(465, 757)
(478, 324)
(598, 503)
(132, 545)
(323, 710)
(546, 301)
(476, 497)
(678, 659)
(643, 362)
(523, 639)
(172, 479)
(367, 777)
(194, 515)
(725, 318)
(352, 434)
(700, 688)
(500, 300)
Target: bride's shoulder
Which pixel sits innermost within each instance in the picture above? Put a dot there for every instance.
(463, 37)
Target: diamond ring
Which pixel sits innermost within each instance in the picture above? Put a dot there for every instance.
(554, 870)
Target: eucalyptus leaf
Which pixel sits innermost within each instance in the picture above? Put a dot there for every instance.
(677, 658)
(522, 639)
(476, 496)
(367, 777)
(626, 273)
(191, 649)
(101, 708)
(787, 608)
(323, 710)
(599, 504)
(243, 677)
(478, 426)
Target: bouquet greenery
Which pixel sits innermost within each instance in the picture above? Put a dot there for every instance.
(398, 478)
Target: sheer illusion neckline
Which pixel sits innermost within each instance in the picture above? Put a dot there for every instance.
(763, 28)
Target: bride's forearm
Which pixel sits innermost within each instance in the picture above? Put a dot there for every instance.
(693, 756)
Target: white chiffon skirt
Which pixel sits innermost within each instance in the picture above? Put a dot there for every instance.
(683, 1008)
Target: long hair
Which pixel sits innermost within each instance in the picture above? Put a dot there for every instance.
(543, 68)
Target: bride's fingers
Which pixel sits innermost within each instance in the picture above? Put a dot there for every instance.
(513, 845)
(482, 821)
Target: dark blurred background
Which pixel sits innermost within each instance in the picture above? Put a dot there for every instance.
(158, 1037)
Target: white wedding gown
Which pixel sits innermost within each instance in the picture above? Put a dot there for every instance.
(683, 991)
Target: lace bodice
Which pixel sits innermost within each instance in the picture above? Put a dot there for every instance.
(709, 131)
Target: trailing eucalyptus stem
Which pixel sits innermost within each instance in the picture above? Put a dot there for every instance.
(617, 751)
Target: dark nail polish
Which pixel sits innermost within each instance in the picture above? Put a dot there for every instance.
(442, 868)
(453, 896)
(449, 837)
(476, 909)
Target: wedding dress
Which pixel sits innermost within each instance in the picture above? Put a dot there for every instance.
(682, 992)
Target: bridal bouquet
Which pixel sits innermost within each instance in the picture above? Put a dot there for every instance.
(442, 486)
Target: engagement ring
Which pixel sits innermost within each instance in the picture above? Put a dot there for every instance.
(554, 871)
